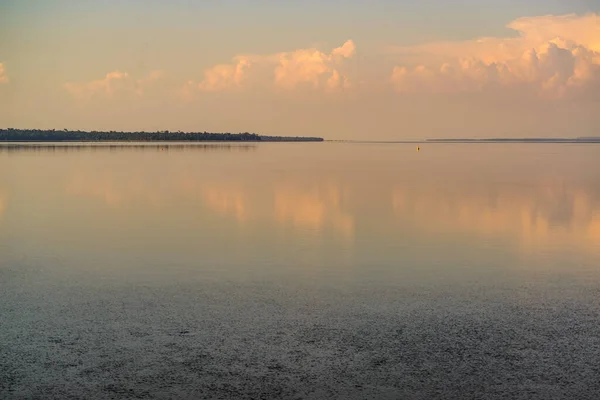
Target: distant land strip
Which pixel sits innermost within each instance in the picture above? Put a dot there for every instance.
(591, 139)
(72, 147)
(38, 135)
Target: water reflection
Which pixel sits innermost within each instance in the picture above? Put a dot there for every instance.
(103, 188)
(323, 194)
(283, 202)
(303, 257)
(313, 208)
(227, 201)
(552, 214)
(3, 203)
(69, 147)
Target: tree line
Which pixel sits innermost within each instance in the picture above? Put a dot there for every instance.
(39, 135)
(65, 135)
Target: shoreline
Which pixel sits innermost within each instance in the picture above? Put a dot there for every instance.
(52, 135)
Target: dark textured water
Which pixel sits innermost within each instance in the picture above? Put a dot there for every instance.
(300, 271)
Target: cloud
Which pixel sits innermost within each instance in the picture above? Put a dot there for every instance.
(3, 76)
(225, 76)
(153, 76)
(313, 67)
(113, 83)
(336, 81)
(347, 50)
(553, 56)
(309, 68)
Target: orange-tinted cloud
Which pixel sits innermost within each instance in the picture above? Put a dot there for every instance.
(113, 83)
(309, 68)
(312, 67)
(553, 56)
(347, 50)
(225, 76)
(3, 76)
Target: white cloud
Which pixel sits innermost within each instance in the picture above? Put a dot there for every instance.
(553, 56)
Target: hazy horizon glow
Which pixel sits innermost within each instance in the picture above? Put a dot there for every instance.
(534, 76)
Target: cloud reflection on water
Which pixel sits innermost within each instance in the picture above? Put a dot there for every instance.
(554, 214)
(445, 191)
(313, 208)
(548, 214)
(227, 201)
(286, 204)
(3, 203)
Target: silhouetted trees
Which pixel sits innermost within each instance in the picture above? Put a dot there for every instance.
(38, 135)
(53, 135)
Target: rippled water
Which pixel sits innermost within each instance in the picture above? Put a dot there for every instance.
(300, 270)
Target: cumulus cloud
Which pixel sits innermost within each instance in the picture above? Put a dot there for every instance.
(313, 67)
(347, 50)
(336, 81)
(113, 83)
(3, 76)
(310, 68)
(553, 56)
(225, 76)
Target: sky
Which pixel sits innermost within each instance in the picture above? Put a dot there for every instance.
(366, 70)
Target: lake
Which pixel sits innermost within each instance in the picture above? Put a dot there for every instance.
(300, 271)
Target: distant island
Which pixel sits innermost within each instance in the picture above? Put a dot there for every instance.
(590, 139)
(38, 135)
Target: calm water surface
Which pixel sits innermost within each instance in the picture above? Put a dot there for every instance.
(300, 270)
